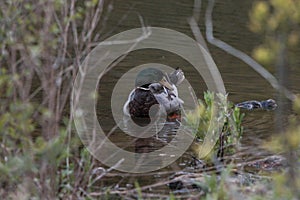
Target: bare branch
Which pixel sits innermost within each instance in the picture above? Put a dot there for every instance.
(241, 55)
(95, 20)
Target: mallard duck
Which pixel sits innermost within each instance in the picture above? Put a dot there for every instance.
(153, 86)
(269, 104)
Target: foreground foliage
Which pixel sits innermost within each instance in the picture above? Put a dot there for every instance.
(42, 158)
(229, 122)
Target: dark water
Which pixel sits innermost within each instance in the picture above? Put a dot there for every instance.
(241, 82)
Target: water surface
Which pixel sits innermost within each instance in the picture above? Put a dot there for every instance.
(241, 82)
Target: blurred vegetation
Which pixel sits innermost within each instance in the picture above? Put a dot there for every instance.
(287, 183)
(42, 44)
(278, 22)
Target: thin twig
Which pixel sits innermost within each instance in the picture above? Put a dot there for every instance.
(107, 171)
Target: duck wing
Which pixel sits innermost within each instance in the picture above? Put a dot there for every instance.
(168, 99)
(140, 103)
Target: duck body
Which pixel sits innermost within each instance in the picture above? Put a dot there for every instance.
(140, 103)
(154, 87)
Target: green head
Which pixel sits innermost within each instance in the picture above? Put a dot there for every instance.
(152, 75)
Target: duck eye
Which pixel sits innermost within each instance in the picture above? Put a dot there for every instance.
(152, 87)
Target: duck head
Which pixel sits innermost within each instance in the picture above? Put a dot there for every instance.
(269, 104)
(152, 75)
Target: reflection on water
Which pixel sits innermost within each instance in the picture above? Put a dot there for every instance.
(241, 82)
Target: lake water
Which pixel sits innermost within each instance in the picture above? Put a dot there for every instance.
(241, 82)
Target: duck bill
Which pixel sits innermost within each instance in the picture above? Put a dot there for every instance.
(165, 83)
